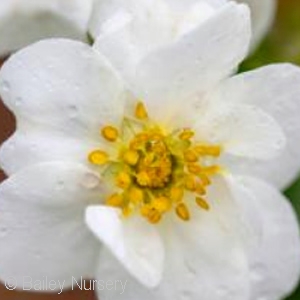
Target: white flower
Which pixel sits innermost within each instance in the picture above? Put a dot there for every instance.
(153, 152)
(263, 15)
(26, 21)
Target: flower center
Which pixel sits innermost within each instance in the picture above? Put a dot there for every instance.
(153, 171)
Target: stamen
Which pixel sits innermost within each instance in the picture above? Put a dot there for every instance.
(110, 133)
(98, 157)
(115, 200)
(154, 216)
(186, 134)
(162, 204)
(176, 194)
(202, 203)
(209, 150)
(143, 179)
(191, 156)
(131, 157)
(183, 212)
(136, 195)
(140, 111)
(190, 183)
(123, 180)
(155, 169)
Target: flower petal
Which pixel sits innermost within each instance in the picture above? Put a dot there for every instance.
(193, 62)
(135, 243)
(243, 130)
(198, 60)
(24, 22)
(30, 146)
(42, 230)
(276, 89)
(262, 14)
(274, 261)
(204, 258)
(46, 84)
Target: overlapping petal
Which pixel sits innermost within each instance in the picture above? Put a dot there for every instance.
(274, 259)
(23, 22)
(263, 15)
(42, 230)
(46, 86)
(276, 90)
(194, 62)
(134, 242)
(203, 258)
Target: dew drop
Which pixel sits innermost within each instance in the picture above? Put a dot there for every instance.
(73, 111)
(18, 101)
(5, 86)
(186, 295)
(3, 231)
(60, 185)
(90, 181)
(257, 273)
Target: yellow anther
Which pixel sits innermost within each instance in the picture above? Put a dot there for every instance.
(154, 216)
(115, 200)
(209, 150)
(131, 157)
(145, 210)
(194, 168)
(149, 158)
(140, 111)
(190, 183)
(123, 180)
(143, 179)
(205, 180)
(98, 157)
(176, 194)
(183, 212)
(186, 134)
(202, 203)
(211, 170)
(161, 204)
(135, 195)
(200, 189)
(110, 133)
(127, 211)
(191, 156)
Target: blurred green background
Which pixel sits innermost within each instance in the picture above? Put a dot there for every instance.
(282, 45)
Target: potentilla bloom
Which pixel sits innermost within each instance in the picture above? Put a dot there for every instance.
(26, 21)
(148, 145)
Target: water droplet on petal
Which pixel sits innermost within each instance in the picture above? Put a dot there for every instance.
(60, 185)
(90, 181)
(5, 86)
(186, 295)
(18, 101)
(73, 111)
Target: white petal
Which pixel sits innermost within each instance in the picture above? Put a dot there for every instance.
(31, 145)
(134, 242)
(23, 22)
(46, 83)
(262, 15)
(242, 130)
(198, 60)
(195, 61)
(180, 5)
(204, 259)
(274, 261)
(42, 229)
(276, 89)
